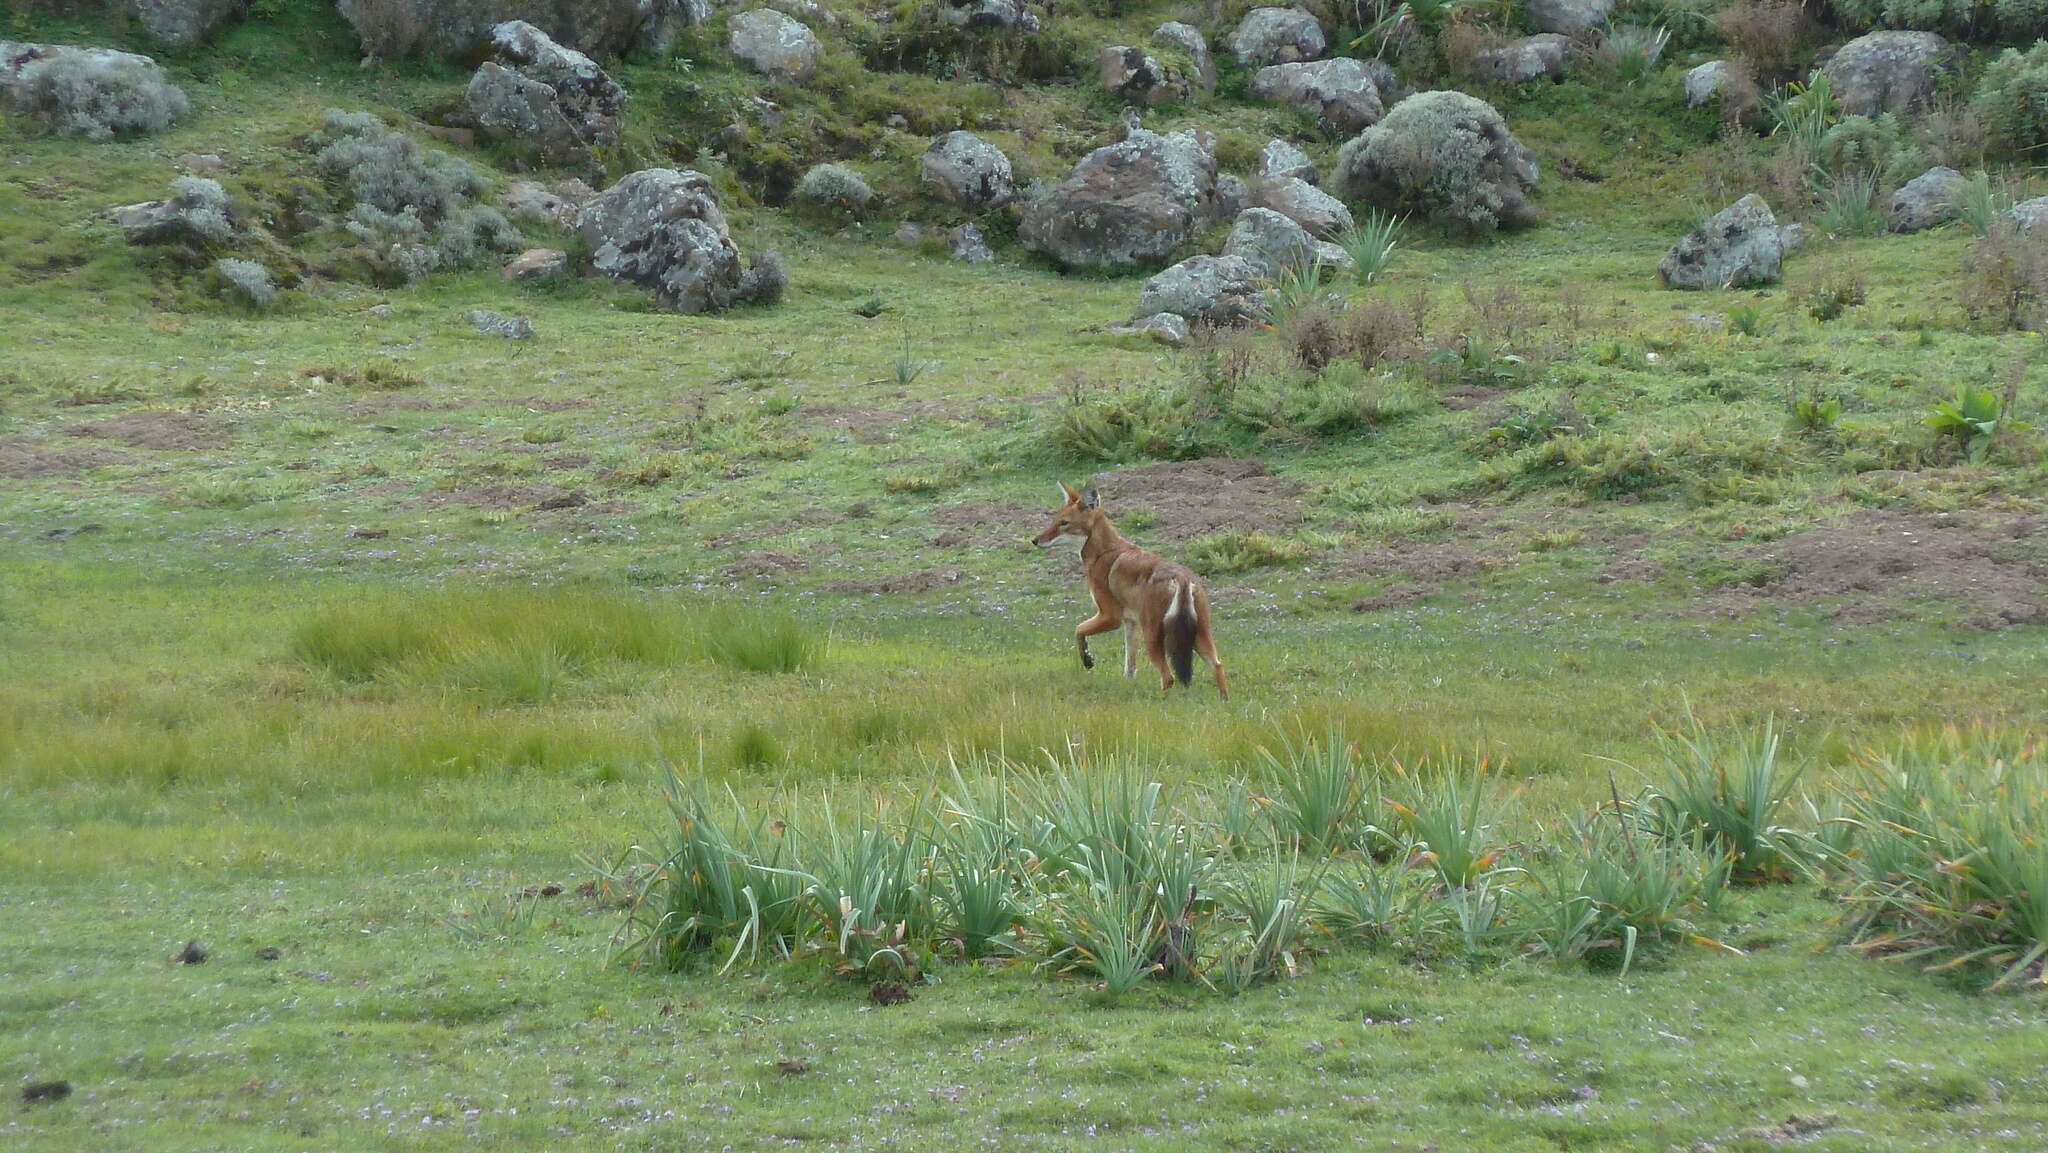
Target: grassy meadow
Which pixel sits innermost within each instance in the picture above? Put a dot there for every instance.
(388, 662)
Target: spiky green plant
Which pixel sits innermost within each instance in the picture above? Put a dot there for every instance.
(1735, 794)
(1273, 908)
(1368, 902)
(1447, 817)
(1318, 793)
(724, 876)
(1371, 242)
(1849, 205)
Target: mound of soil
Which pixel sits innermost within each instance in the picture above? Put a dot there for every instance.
(1418, 568)
(23, 459)
(764, 565)
(157, 430)
(1875, 560)
(502, 497)
(1190, 498)
(898, 584)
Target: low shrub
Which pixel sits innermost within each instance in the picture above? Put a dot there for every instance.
(2011, 99)
(834, 188)
(247, 280)
(99, 94)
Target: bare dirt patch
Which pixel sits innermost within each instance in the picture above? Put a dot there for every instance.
(1465, 397)
(382, 403)
(501, 497)
(764, 565)
(1191, 498)
(23, 459)
(1417, 569)
(1876, 560)
(754, 533)
(980, 524)
(567, 460)
(898, 584)
(157, 430)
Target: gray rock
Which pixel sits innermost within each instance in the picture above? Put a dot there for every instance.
(488, 323)
(1215, 290)
(1128, 203)
(1446, 153)
(1333, 256)
(1741, 246)
(1269, 241)
(1925, 201)
(968, 244)
(182, 23)
(96, 93)
(197, 213)
(555, 103)
(1000, 15)
(661, 228)
(454, 28)
(908, 235)
(1231, 197)
(968, 172)
(1276, 36)
(1322, 214)
(1189, 39)
(1344, 94)
(1164, 327)
(1568, 17)
(558, 205)
(2029, 214)
(809, 11)
(1889, 72)
(1545, 55)
(773, 45)
(1137, 78)
(201, 161)
(1705, 82)
(537, 264)
(1279, 159)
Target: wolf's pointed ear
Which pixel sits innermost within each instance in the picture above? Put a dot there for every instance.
(1068, 494)
(1091, 498)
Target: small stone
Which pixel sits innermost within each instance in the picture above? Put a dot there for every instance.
(537, 264)
(488, 323)
(968, 244)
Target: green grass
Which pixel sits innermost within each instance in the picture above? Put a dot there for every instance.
(343, 631)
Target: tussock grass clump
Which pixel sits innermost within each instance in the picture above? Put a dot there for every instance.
(518, 648)
(1735, 795)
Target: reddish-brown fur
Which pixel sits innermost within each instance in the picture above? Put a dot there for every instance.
(1136, 590)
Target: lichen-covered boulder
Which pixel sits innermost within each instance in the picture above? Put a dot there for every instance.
(1279, 158)
(968, 172)
(1925, 201)
(1136, 77)
(1545, 55)
(1125, 204)
(1269, 241)
(1568, 17)
(1164, 327)
(182, 23)
(662, 229)
(998, 15)
(197, 213)
(1189, 40)
(96, 93)
(967, 244)
(2030, 214)
(1317, 211)
(1893, 72)
(1444, 155)
(552, 102)
(1277, 36)
(773, 45)
(454, 28)
(1342, 93)
(1218, 290)
(1705, 82)
(1742, 245)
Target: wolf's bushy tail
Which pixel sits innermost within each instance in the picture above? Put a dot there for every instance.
(1180, 631)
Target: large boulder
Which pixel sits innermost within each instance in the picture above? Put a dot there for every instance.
(2030, 214)
(1743, 245)
(1269, 241)
(1342, 93)
(1315, 210)
(555, 103)
(96, 93)
(1137, 78)
(1568, 17)
(1888, 72)
(1544, 56)
(773, 45)
(1276, 36)
(1925, 201)
(1000, 15)
(660, 228)
(1445, 155)
(1280, 158)
(968, 172)
(197, 214)
(1189, 39)
(1216, 290)
(1705, 82)
(181, 23)
(454, 28)
(1129, 203)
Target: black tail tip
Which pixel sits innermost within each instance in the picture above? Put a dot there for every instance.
(1184, 667)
